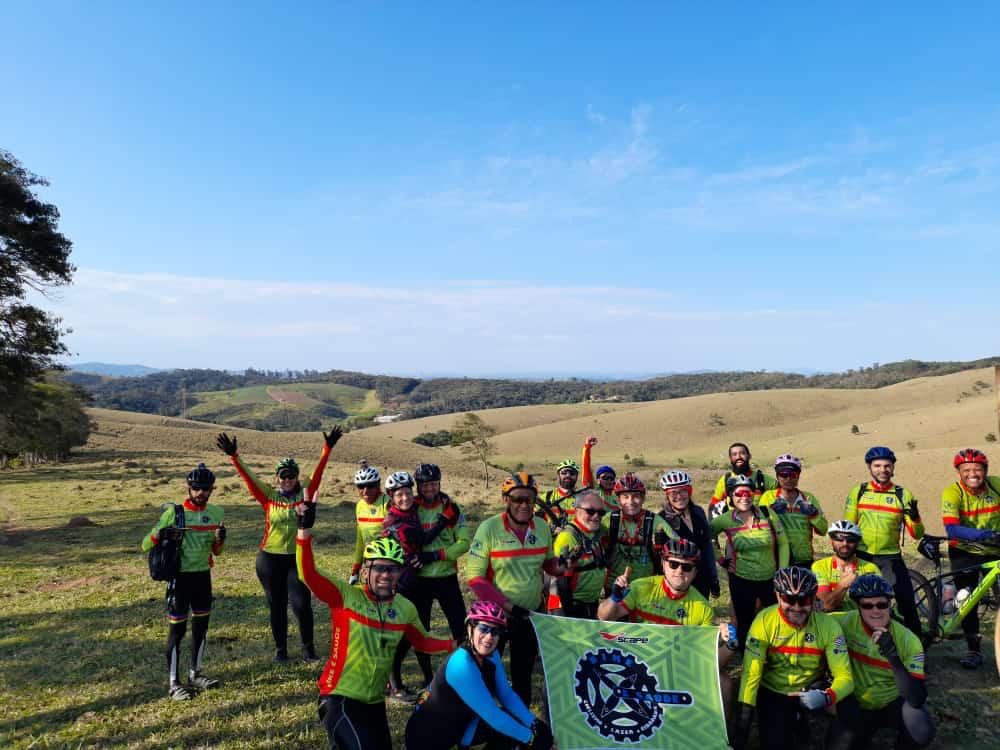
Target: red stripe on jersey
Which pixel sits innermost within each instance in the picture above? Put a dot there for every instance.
(518, 552)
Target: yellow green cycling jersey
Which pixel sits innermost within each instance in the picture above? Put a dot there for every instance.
(963, 508)
(511, 564)
(364, 634)
(368, 521)
(450, 544)
(651, 600)
(874, 684)
(634, 543)
(829, 570)
(589, 571)
(880, 513)
(786, 659)
(799, 527)
(199, 544)
(757, 546)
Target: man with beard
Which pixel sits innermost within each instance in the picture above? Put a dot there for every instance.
(554, 506)
(739, 459)
(836, 573)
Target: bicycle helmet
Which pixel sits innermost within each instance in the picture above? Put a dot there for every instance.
(287, 466)
(601, 471)
(970, 456)
(384, 549)
(738, 481)
(795, 581)
(788, 461)
(844, 527)
(367, 476)
(398, 479)
(201, 478)
(488, 612)
(518, 479)
(682, 548)
(427, 473)
(675, 478)
(879, 451)
(629, 483)
(870, 584)
(568, 463)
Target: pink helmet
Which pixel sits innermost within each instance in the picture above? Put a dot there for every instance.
(788, 460)
(488, 612)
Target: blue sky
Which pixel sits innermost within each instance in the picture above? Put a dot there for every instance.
(434, 188)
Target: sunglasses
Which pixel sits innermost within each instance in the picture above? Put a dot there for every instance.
(513, 499)
(381, 570)
(685, 566)
(288, 475)
(742, 495)
(599, 512)
(843, 538)
(873, 605)
(786, 473)
(485, 629)
(802, 600)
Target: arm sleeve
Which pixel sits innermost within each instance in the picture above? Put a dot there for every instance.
(588, 474)
(754, 660)
(839, 663)
(466, 679)
(261, 492)
(911, 687)
(508, 698)
(317, 477)
(323, 586)
(967, 534)
(166, 519)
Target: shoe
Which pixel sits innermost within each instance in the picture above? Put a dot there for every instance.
(309, 655)
(180, 692)
(972, 660)
(200, 682)
(281, 656)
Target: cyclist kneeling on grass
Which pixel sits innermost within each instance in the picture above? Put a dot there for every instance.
(971, 511)
(887, 662)
(470, 701)
(836, 573)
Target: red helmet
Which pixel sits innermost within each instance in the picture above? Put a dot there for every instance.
(488, 612)
(970, 456)
(629, 483)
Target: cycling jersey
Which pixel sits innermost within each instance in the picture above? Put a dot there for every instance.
(587, 476)
(589, 570)
(462, 694)
(758, 548)
(799, 527)
(959, 507)
(874, 684)
(555, 507)
(784, 658)
(513, 566)
(280, 522)
(199, 544)
(761, 483)
(365, 632)
(369, 518)
(651, 600)
(633, 547)
(878, 511)
(450, 544)
(829, 569)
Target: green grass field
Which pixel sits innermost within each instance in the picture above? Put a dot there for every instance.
(82, 629)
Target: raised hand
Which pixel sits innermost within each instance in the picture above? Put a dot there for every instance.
(591, 441)
(336, 432)
(226, 444)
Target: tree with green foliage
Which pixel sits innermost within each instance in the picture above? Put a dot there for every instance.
(473, 436)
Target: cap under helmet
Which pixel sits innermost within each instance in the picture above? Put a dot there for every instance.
(601, 471)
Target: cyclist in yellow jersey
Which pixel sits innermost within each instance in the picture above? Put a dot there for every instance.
(605, 476)
(800, 512)
(970, 509)
(789, 649)
(369, 513)
(887, 663)
(881, 509)
(579, 545)
(739, 460)
(836, 573)
(633, 535)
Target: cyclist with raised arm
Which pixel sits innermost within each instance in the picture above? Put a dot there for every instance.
(509, 553)
(756, 546)
(579, 545)
(970, 508)
(800, 512)
(554, 506)
(739, 461)
(689, 522)
(470, 702)
(201, 537)
(887, 665)
(275, 563)
(369, 513)
(367, 623)
(605, 476)
(881, 509)
(789, 649)
(633, 535)
(836, 573)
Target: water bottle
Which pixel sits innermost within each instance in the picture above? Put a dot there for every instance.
(948, 598)
(961, 596)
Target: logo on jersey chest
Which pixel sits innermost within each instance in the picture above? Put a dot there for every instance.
(681, 613)
(809, 638)
(532, 539)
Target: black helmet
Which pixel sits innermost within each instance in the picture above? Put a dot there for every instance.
(427, 473)
(795, 581)
(201, 478)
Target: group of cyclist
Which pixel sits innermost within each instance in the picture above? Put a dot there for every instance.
(814, 635)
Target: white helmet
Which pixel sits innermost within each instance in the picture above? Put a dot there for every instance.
(398, 479)
(675, 478)
(367, 475)
(788, 460)
(844, 527)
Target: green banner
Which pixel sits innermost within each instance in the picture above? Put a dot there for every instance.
(614, 684)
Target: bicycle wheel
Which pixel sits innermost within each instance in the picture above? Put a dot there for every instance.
(928, 606)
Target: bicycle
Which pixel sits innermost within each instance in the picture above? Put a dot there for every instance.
(941, 618)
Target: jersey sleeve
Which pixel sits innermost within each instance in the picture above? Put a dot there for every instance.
(784, 550)
(720, 491)
(564, 543)
(851, 506)
(838, 662)
(166, 519)
(326, 588)
(822, 577)
(260, 491)
(317, 476)
(754, 660)
(912, 655)
(465, 678)
(636, 593)
(508, 698)
(915, 528)
(707, 618)
(462, 540)
(951, 504)
(660, 524)
(818, 522)
(588, 474)
(422, 641)
(359, 551)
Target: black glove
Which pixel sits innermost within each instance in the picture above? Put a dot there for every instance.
(307, 517)
(741, 729)
(617, 593)
(425, 558)
(660, 538)
(911, 511)
(541, 736)
(220, 533)
(779, 506)
(713, 588)
(226, 444)
(808, 509)
(171, 533)
(886, 645)
(335, 434)
(519, 613)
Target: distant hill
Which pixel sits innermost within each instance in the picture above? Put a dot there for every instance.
(115, 371)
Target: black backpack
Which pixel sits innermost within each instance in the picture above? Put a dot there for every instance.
(645, 538)
(165, 557)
